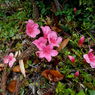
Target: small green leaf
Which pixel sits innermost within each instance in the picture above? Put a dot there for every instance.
(78, 12)
(26, 66)
(90, 9)
(43, 11)
(69, 18)
(57, 13)
(81, 93)
(29, 62)
(91, 92)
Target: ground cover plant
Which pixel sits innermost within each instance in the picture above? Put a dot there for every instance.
(47, 47)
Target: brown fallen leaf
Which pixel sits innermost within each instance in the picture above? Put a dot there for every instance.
(56, 29)
(11, 86)
(63, 44)
(36, 61)
(53, 75)
(17, 69)
(1, 65)
(48, 93)
(1, 69)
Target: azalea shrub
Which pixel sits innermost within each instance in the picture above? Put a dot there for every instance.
(46, 43)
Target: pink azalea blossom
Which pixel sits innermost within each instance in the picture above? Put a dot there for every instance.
(75, 10)
(9, 59)
(46, 30)
(71, 58)
(77, 74)
(90, 58)
(40, 41)
(47, 52)
(32, 28)
(54, 39)
(81, 41)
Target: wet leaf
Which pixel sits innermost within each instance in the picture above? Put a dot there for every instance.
(11, 86)
(53, 75)
(63, 44)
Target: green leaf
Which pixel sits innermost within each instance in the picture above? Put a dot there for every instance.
(29, 62)
(43, 11)
(81, 93)
(78, 12)
(80, 2)
(90, 9)
(91, 92)
(57, 13)
(40, 23)
(69, 18)
(26, 66)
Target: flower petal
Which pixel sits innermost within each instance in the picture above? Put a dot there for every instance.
(54, 53)
(77, 74)
(6, 59)
(81, 41)
(48, 57)
(85, 56)
(12, 62)
(59, 40)
(71, 58)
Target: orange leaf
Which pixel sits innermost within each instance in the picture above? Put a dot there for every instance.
(63, 44)
(11, 86)
(17, 69)
(53, 75)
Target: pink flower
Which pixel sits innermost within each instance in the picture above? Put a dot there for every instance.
(81, 41)
(54, 39)
(47, 52)
(75, 10)
(90, 58)
(77, 74)
(9, 59)
(46, 30)
(40, 41)
(71, 58)
(32, 28)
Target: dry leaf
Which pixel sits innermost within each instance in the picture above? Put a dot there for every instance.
(17, 69)
(56, 29)
(12, 86)
(1, 65)
(16, 53)
(1, 69)
(63, 44)
(21, 64)
(36, 61)
(53, 75)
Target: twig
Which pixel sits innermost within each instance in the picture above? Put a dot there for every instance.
(57, 5)
(3, 81)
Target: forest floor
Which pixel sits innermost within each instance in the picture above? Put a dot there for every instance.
(31, 75)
